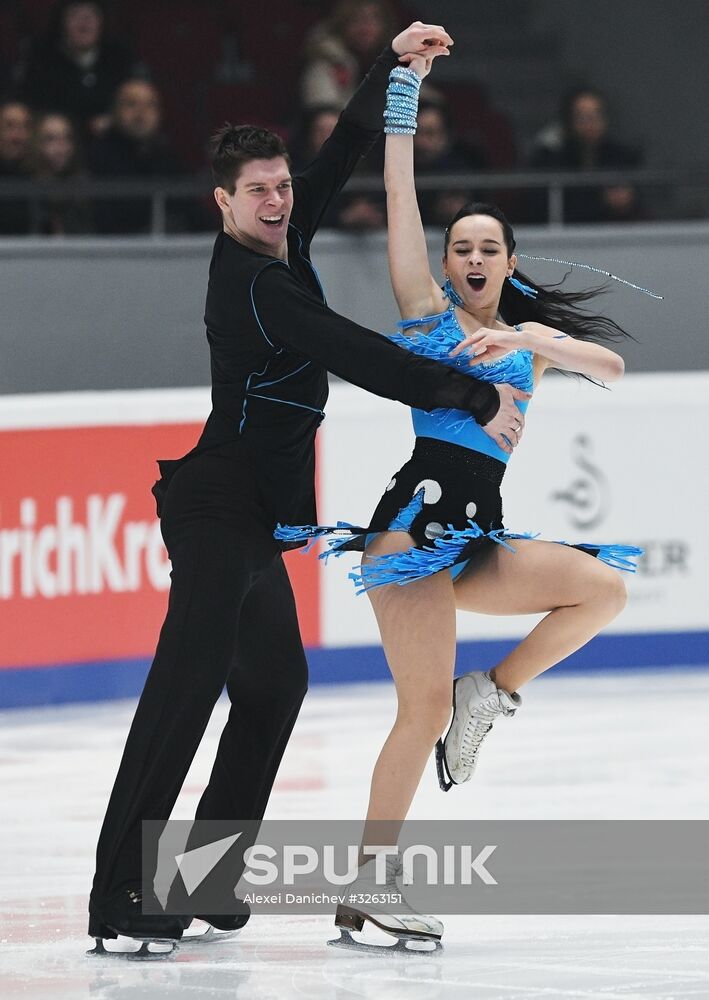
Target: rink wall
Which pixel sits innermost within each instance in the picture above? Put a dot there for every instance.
(84, 576)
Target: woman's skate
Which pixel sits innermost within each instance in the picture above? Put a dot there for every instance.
(385, 908)
(477, 702)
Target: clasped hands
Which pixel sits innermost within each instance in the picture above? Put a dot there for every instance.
(419, 44)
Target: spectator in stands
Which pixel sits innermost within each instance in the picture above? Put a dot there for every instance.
(583, 143)
(312, 130)
(55, 155)
(356, 212)
(134, 146)
(75, 70)
(339, 50)
(15, 131)
(437, 151)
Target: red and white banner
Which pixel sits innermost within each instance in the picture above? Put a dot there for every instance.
(84, 574)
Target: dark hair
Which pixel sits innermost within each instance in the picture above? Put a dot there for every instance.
(440, 108)
(552, 307)
(55, 26)
(234, 145)
(569, 100)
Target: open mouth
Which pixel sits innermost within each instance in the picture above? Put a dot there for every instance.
(272, 220)
(476, 281)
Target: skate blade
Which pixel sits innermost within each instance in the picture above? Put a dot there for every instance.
(408, 944)
(133, 950)
(445, 782)
(200, 932)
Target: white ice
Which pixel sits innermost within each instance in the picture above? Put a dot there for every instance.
(629, 746)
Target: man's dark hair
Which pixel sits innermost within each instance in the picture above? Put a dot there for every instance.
(235, 145)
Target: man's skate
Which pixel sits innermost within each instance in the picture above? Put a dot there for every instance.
(131, 933)
(393, 914)
(477, 702)
(203, 928)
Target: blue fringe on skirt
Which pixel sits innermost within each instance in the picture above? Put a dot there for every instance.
(417, 563)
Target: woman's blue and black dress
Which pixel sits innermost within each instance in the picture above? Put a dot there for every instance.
(447, 496)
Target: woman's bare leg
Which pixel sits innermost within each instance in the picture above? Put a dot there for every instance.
(417, 626)
(580, 593)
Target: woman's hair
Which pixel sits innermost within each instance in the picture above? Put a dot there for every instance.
(344, 10)
(335, 25)
(562, 310)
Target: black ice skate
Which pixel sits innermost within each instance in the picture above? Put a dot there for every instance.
(134, 934)
(213, 927)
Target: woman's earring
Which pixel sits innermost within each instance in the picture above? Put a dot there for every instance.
(527, 290)
(450, 293)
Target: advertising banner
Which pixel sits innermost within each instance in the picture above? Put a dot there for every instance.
(594, 465)
(84, 575)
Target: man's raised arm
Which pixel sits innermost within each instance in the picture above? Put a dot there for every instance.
(358, 128)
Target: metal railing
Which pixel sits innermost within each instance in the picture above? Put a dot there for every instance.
(160, 190)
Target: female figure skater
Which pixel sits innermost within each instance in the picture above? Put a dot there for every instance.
(438, 527)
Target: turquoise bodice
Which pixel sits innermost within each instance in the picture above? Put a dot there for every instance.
(455, 425)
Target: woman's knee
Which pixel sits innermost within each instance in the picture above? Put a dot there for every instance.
(428, 713)
(608, 588)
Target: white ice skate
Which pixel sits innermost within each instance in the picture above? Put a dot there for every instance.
(394, 915)
(477, 702)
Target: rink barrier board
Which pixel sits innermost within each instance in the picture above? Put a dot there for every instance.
(85, 682)
(66, 448)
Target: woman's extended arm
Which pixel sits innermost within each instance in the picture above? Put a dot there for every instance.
(415, 290)
(569, 354)
(553, 347)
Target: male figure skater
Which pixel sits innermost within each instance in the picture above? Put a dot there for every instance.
(231, 617)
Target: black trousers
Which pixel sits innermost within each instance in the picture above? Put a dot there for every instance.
(231, 620)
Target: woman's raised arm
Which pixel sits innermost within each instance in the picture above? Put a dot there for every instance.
(416, 292)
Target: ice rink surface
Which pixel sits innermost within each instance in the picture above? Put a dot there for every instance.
(630, 746)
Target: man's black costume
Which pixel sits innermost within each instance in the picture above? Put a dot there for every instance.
(231, 617)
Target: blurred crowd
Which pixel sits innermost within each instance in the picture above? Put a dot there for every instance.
(133, 91)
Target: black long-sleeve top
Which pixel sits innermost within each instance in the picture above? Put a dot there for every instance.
(273, 338)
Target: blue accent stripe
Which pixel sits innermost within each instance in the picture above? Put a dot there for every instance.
(275, 381)
(308, 261)
(640, 651)
(287, 402)
(246, 393)
(253, 304)
(105, 680)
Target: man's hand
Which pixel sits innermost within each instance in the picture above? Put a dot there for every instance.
(422, 39)
(506, 426)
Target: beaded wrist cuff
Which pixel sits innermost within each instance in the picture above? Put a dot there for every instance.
(402, 100)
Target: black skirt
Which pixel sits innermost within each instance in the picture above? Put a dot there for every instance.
(448, 499)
